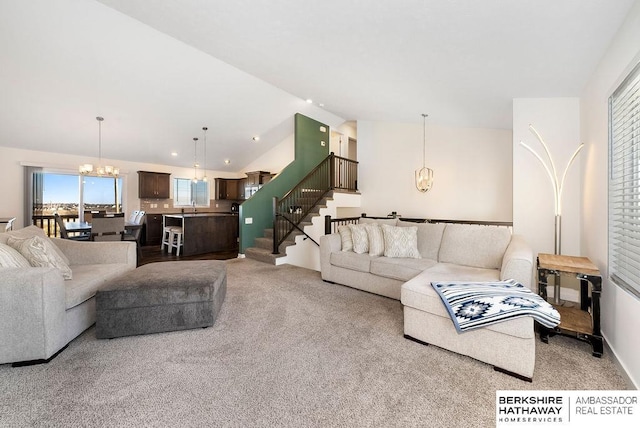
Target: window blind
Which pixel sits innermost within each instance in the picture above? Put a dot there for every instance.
(624, 184)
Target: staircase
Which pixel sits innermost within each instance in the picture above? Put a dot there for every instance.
(263, 249)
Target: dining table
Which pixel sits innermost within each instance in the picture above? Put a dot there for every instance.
(85, 227)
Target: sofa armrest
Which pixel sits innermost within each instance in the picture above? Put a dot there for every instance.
(517, 262)
(328, 244)
(32, 313)
(87, 253)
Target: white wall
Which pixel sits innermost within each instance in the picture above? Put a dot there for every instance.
(557, 120)
(472, 171)
(12, 190)
(620, 311)
(275, 159)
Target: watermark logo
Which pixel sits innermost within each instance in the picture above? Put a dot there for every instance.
(567, 408)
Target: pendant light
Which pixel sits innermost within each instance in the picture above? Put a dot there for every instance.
(107, 170)
(204, 178)
(424, 175)
(195, 160)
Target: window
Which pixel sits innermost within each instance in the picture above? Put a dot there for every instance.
(624, 184)
(186, 193)
(68, 194)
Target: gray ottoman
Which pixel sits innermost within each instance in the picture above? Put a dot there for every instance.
(160, 297)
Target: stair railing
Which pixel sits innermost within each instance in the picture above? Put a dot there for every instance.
(334, 172)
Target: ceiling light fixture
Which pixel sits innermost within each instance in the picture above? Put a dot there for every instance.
(309, 101)
(227, 161)
(174, 154)
(424, 175)
(256, 138)
(108, 170)
(204, 177)
(195, 160)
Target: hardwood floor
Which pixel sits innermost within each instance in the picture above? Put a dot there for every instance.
(154, 254)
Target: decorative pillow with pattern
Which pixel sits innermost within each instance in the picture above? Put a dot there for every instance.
(360, 238)
(400, 241)
(376, 240)
(11, 258)
(345, 238)
(40, 252)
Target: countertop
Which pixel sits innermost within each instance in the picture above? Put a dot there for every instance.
(189, 215)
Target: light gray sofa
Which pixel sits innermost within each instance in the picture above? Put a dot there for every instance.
(40, 312)
(449, 252)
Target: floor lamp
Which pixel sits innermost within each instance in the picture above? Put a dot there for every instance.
(557, 192)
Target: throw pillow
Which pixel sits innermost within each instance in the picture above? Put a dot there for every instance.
(345, 238)
(360, 239)
(40, 253)
(376, 240)
(400, 241)
(11, 258)
(28, 232)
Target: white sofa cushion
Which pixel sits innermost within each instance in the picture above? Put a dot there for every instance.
(429, 237)
(360, 238)
(378, 221)
(400, 241)
(29, 232)
(345, 238)
(473, 245)
(376, 239)
(87, 279)
(40, 252)
(11, 258)
(418, 293)
(351, 260)
(402, 269)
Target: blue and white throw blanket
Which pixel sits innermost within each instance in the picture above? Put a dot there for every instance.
(477, 304)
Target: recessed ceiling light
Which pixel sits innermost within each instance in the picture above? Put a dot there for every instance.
(227, 161)
(309, 100)
(174, 154)
(321, 105)
(256, 138)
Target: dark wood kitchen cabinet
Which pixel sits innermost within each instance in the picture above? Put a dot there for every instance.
(153, 185)
(152, 230)
(228, 188)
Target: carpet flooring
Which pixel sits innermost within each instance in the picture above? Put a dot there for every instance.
(287, 350)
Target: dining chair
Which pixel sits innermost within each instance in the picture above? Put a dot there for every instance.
(9, 226)
(107, 227)
(64, 234)
(133, 216)
(133, 234)
(140, 217)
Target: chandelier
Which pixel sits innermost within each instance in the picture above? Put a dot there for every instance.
(107, 170)
(424, 175)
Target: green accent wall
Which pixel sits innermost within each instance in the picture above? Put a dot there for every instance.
(309, 152)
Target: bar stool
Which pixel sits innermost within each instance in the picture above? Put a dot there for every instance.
(166, 237)
(176, 238)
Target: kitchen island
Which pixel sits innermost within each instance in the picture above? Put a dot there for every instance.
(205, 232)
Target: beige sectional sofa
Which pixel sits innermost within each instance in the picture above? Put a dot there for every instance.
(40, 311)
(448, 252)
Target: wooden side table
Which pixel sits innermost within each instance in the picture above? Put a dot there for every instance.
(584, 322)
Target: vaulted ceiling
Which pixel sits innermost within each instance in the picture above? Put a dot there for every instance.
(159, 71)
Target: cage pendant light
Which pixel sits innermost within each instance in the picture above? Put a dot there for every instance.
(424, 175)
(195, 159)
